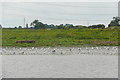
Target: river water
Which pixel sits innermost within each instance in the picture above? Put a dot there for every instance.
(62, 62)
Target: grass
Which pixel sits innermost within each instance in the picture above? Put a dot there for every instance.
(60, 37)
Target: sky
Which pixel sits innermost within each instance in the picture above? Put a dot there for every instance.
(59, 0)
(77, 13)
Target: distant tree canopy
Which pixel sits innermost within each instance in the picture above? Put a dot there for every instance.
(115, 22)
(37, 25)
(97, 26)
(66, 26)
(0, 26)
(20, 27)
(61, 26)
(15, 27)
(26, 25)
(81, 27)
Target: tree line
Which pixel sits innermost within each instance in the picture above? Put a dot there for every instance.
(36, 24)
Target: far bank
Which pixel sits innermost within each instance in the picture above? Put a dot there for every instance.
(60, 37)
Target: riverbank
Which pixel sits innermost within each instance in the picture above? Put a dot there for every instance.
(60, 37)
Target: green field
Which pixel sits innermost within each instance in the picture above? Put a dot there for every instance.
(60, 37)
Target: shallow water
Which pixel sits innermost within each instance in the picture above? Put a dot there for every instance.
(0, 66)
(60, 50)
(56, 66)
(94, 64)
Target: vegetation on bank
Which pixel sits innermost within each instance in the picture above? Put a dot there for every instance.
(60, 37)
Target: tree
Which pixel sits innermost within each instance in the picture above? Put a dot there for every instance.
(80, 26)
(61, 26)
(69, 26)
(115, 22)
(37, 25)
(15, 27)
(97, 26)
(0, 26)
(20, 27)
(34, 22)
(27, 26)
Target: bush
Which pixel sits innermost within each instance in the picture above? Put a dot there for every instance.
(97, 26)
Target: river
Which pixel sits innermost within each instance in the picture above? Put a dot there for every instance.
(83, 62)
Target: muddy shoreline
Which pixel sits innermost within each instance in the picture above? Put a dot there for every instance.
(103, 50)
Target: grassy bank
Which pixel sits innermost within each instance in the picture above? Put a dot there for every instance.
(60, 37)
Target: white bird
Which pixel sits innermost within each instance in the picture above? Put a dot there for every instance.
(79, 48)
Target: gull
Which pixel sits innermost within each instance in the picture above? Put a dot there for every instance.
(53, 50)
(79, 48)
(70, 49)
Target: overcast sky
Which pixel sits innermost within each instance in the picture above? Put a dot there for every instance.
(59, 0)
(77, 13)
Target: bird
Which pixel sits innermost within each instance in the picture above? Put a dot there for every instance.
(13, 53)
(22, 53)
(87, 48)
(53, 50)
(79, 48)
(61, 53)
(70, 49)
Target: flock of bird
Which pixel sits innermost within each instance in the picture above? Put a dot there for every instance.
(60, 51)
